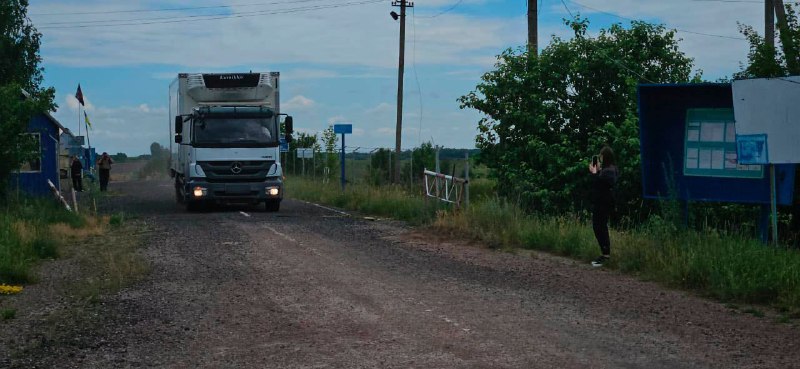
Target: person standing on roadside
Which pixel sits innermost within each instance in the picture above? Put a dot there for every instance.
(76, 169)
(604, 174)
(104, 165)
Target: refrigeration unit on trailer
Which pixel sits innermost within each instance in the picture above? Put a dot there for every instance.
(227, 133)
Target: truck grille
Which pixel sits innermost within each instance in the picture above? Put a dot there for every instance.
(236, 171)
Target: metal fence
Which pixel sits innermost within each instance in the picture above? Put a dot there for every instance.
(375, 167)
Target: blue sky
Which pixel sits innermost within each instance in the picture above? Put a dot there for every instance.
(337, 64)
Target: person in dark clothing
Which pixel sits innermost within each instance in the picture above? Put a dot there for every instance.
(104, 165)
(76, 169)
(604, 176)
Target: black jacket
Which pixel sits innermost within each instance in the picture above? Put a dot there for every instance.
(76, 168)
(603, 187)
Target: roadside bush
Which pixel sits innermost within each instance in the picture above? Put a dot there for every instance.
(25, 235)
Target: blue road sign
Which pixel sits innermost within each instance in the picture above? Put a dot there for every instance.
(284, 145)
(343, 129)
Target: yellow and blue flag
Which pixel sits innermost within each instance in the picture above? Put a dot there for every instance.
(86, 118)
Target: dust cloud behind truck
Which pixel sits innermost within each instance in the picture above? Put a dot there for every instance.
(227, 139)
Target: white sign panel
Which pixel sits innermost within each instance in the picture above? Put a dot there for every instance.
(768, 107)
(305, 153)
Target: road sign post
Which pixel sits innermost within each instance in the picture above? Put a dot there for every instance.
(343, 129)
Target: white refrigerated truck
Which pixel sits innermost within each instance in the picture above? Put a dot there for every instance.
(226, 130)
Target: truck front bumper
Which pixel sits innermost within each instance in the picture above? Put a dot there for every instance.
(198, 189)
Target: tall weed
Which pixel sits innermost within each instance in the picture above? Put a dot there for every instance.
(25, 235)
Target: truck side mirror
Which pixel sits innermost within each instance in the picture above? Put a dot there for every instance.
(178, 124)
(178, 129)
(289, 123)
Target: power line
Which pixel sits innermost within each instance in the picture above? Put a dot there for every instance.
(446, 10)
(174, 9)
(677, 29)
(196, 18)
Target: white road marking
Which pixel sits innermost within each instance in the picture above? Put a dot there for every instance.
(245, 214)
(281, 234)
(327, 208)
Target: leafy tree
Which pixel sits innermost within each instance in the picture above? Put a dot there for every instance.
(765, 61)
(119, 157)
(422, 157)
(19, 70)
(380, 167)
(546, 116)
(329, 141)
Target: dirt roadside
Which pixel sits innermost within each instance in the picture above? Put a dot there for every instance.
(308, 288)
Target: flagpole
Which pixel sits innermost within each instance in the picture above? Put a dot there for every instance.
(79, 118)
(88, 142)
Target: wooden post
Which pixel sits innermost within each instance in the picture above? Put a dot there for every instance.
(774, 203)
(466, 177)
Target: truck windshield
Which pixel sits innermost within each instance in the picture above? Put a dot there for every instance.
(234, 132)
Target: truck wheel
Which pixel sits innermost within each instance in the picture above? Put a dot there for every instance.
(272, 206)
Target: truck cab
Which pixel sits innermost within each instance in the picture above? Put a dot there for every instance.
(227, 139)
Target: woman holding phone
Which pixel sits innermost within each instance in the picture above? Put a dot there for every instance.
(604, 176)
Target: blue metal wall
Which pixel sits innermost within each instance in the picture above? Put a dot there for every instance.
(36, 183)
(662, 120)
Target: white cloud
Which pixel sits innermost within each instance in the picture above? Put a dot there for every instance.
(298, 103)
(356, 35)
(381, 108)
(128, 129)
(337, 119)
(73, 103)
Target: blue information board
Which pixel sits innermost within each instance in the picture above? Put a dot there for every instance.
(284, 145)
(343, 128)
(687, 151)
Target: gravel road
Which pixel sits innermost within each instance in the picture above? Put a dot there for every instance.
(312, 288)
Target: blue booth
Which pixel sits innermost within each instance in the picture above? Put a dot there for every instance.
(688, 148)
(32, 177)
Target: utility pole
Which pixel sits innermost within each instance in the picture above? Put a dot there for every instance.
(403, 4)
(790, 50)
(533, 26)
(769, 22)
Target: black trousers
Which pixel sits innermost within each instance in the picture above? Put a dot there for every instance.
(77, 183)
(104, 174)
(600, 217)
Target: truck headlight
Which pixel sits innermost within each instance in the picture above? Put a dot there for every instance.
(200, 191)
(273, 191)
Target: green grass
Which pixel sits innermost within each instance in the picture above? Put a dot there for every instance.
(25, 236)
(116, 220)
(8, 314)
(730, 268)
(726, 267)
(392, 202)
